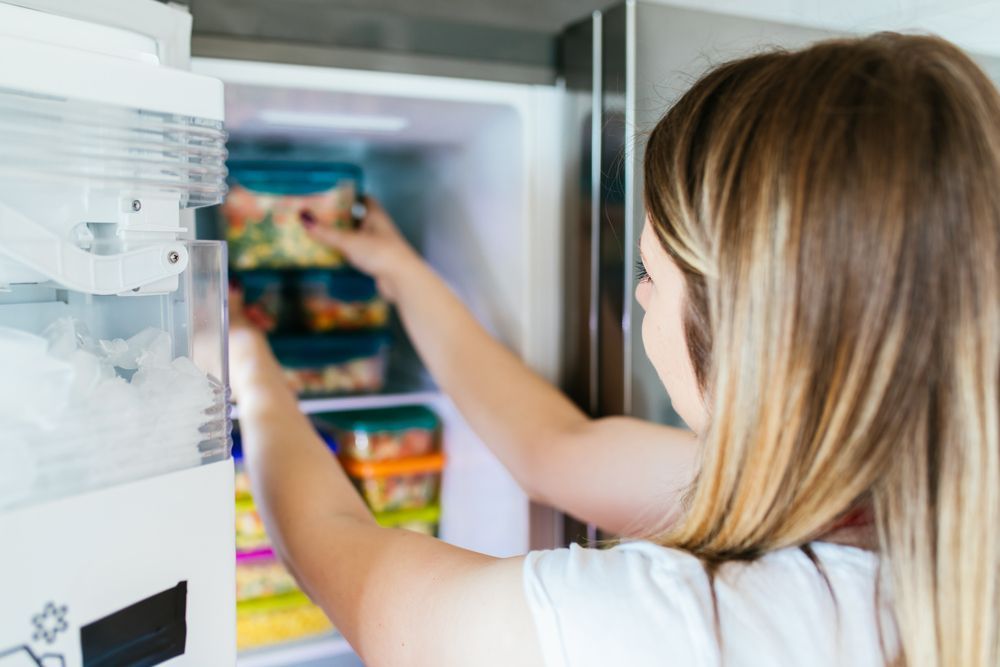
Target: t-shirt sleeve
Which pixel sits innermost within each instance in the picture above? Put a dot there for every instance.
(596, 607)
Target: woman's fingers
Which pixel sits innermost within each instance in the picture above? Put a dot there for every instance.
(346, 241)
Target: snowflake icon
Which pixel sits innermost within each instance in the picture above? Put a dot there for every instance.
(50, 622)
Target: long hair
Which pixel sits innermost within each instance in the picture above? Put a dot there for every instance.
(836, 214)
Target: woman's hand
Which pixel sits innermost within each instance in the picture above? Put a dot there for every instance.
(376, 248)
(251, 361)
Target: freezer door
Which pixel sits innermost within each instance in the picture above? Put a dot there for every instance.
(168, 26)
(622, 68)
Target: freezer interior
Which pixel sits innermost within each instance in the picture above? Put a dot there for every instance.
(450, 172)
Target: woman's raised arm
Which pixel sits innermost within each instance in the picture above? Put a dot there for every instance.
(622, 474)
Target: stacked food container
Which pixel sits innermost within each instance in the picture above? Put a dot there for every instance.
(326, 321)
(394, 457)
(270, 607)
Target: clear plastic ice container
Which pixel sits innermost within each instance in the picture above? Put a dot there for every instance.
(101, 390)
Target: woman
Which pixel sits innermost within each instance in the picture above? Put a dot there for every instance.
(821, 265)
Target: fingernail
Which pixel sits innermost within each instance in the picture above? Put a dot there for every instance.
(307, 218)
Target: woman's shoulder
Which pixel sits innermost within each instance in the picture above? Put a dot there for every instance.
(662, 605)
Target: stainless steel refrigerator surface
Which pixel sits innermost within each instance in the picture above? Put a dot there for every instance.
(622, 69)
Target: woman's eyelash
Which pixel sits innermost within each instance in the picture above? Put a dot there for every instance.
(641, 275)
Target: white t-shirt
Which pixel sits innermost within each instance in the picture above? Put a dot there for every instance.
(641, 604)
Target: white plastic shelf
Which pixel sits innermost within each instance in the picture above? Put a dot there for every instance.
(334, 404)
(289, 655)
(339, 403)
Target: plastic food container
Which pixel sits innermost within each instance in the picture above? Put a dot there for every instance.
(382, 435)
(242, 479)
(259, 575)
(278, 619)
(343, 364)
(250, 533)
(263, 296)
(269, 199)
(341, 301)
(241, 482)
(424, 521)
(401, 484)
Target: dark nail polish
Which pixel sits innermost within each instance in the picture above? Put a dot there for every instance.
(307, 217)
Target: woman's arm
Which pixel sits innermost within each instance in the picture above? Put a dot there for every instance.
(623, 474)
(398, 597)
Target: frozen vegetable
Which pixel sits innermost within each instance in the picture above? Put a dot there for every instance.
(262, 576)
(275, 620)
(268, 203)
(341, 300)
(263, 298)
(356, 376)
(341, 364)
(250, 533)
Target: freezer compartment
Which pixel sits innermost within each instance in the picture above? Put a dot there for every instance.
(102, 390)
(470, 173)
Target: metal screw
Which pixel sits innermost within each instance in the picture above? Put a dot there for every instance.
(136, 205)
(173, 256)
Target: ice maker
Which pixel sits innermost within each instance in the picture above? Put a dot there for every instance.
(116, 481)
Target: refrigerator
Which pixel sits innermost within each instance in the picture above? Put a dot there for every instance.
(526, 197)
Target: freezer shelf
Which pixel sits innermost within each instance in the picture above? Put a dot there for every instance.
(311, 406)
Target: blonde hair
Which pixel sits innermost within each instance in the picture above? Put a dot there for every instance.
(836, 214)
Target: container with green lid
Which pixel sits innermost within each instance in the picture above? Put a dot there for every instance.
(424, 520)
(384, 434)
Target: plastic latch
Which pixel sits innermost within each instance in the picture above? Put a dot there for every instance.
(40, 249)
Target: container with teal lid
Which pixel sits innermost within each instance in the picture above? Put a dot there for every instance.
(270, 203)
(340, 301)
(341, 364)
(384, 434)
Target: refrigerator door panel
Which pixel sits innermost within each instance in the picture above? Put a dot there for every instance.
(629, 63)
(166, 26)
(667, 50)
(83, 591)
(622, 68)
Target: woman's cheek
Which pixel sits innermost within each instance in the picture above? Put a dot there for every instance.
(653, 338)
(643, 293)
